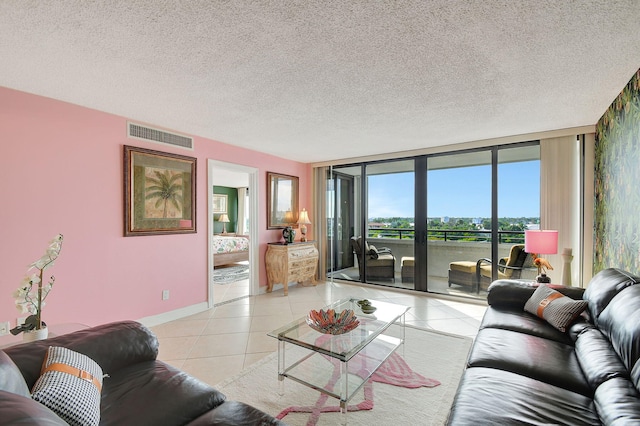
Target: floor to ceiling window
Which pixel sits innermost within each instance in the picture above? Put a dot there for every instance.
(390, 226)
(435, 222)
(459, 196)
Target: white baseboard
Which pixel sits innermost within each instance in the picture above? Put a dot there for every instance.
(173, 315)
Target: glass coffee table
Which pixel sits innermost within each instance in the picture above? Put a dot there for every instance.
(339, 365)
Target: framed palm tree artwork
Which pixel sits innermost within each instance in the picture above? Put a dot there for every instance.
(159, 192)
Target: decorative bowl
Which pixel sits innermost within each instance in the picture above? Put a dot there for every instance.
(366, 306)
(332, 322)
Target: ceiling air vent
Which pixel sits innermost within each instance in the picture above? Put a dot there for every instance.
(156, 135)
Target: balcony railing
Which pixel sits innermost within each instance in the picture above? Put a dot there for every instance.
(513, 237)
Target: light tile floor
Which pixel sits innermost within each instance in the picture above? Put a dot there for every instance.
(219, 343)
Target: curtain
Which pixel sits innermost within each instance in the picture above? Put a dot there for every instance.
(564, 191)
(241, 227)
(319, 218)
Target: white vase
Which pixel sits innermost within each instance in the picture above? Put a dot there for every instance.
(33, 335)
(566, 270)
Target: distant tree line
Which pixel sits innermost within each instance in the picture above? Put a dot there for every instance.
(392, 227)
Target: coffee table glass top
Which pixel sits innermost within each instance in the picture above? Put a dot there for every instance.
(343, 346)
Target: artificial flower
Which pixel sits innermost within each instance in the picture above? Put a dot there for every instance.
(33, 291)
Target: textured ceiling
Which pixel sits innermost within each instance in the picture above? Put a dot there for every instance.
(321, 80)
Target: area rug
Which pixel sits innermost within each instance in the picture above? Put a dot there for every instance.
(230, 274)
(424, 381)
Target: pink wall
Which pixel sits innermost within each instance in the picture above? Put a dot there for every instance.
(62, 173)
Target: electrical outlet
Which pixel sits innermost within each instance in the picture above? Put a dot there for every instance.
(165, 294)
(4, 328)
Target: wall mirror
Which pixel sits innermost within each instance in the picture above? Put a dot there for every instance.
(282, 200)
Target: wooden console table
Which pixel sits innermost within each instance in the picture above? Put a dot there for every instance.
(291, 262)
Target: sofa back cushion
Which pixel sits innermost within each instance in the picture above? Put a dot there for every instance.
(113, 346)
(617, 402)
(11, 379)
(597, 359)
(603, 287)
(620, 322)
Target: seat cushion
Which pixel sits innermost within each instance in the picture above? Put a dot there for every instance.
(463, 266)
(535, 357)
(494, 397)
(408, 261)
(407, 270)
(155, 393)
(237, 414)
(384, 259)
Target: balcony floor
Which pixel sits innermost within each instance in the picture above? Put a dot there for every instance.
(435, 284)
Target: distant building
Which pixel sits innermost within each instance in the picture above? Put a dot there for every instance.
(377, 225)
(477, 221)
(444, 219)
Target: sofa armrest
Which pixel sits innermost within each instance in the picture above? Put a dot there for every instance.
(17, 409)
(514, 293)
(11, 379)
(113, 346)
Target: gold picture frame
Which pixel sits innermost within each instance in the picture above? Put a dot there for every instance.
(282, 200)
(159, 192)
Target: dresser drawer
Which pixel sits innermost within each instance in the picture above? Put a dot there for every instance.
(285, 263)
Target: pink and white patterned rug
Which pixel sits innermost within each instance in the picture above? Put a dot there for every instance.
(426, 376)
(394, 371)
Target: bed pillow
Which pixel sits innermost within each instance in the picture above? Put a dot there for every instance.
(554, 307)
(70, 384)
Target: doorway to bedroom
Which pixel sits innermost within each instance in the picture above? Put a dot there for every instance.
(231, 212)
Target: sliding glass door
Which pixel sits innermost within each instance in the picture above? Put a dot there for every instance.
(459, 197)
(389, 230)
(343, 213)
(443, 223)
(372, 234)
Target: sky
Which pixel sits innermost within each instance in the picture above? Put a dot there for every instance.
(460, 192)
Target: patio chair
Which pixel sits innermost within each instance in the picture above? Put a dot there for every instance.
(477, 275)
(380, 262)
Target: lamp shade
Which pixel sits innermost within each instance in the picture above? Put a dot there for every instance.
(223, 218)
(304, 218)
(541, 242)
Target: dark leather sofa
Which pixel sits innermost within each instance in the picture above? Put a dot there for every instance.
(522, 371)
(140, 390)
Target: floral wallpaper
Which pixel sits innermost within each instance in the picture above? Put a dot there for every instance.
(617, 183)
